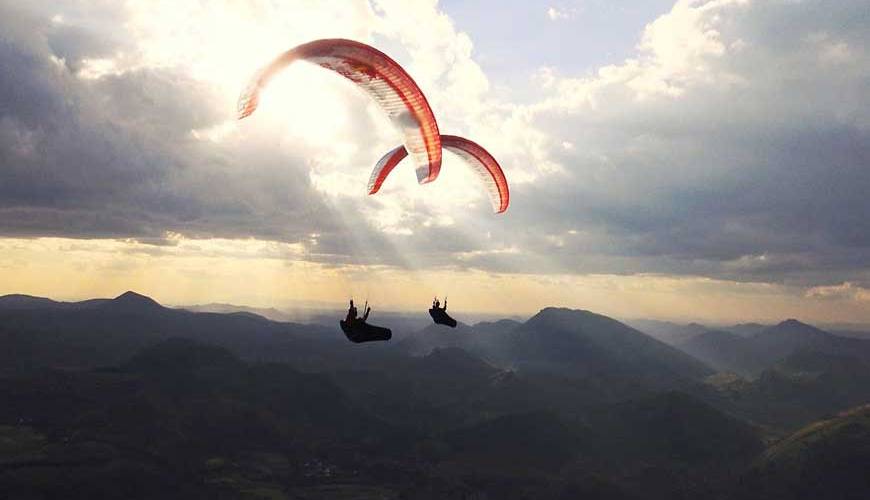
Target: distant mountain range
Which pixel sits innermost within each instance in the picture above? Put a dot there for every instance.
(826, 459)
(40, 331)
(559, 340)
(750, 348)
(751, 355)
(567, 342)
(401, 322)
(267, 312)
(130, 395)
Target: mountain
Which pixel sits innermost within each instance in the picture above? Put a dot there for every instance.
(541, 438)
(19, 301)
(810, 384)
(433, 337)
(269, 313)
(668, 332)
(679, 427)
(669, 445)
(778, 341)
(724, 351)
(176, 421)
(750, 355)
(487, 340)
(805, 386)
(125, 397)
(133, 303)
(745, 329)
(827, 459)
(102, 332)
(746, 348)
(583, 343)
(566, 342)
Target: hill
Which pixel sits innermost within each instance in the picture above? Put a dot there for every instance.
(266, 312)
(745, 329)
(725, 351)
(141, 399)
(750, 355)
(487, 340)
(184, 419)
(39, 333)
(19, 301)
(667, 331)
(827, 459)
(179, 420)
(566, 342)
(805, 386)
(583, 343)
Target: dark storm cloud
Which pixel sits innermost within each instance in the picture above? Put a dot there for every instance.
(114, 156)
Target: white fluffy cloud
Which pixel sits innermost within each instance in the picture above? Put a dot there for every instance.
(556, 14)
(727, 147)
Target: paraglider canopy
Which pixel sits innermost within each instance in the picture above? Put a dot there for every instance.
(440, 317)
(476, 157)
(391, 87)
(360, 331)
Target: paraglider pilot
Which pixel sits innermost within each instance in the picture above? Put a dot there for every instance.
(436, 304)
(352, 314)
(357, 330)
(439, 314)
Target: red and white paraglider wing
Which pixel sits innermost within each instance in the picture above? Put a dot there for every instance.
(481, 162)
(485, 166)
(382, 78)
(384, 166)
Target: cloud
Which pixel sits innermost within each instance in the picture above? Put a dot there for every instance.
(725, 148)
(733, 145)
(557, 14)
(88, 153)
(845, 290)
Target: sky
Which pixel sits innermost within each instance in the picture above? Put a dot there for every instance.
(698, 160)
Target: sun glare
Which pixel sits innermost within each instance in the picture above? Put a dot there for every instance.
(340, 130)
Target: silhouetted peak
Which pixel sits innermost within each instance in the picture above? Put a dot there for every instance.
(20, 296)
(746, 329)
(793, 325)
(793, 330)
(791, 322)
(560, 313)
(562, 318)
(133, 299)
(21, 301)
(550, 310)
